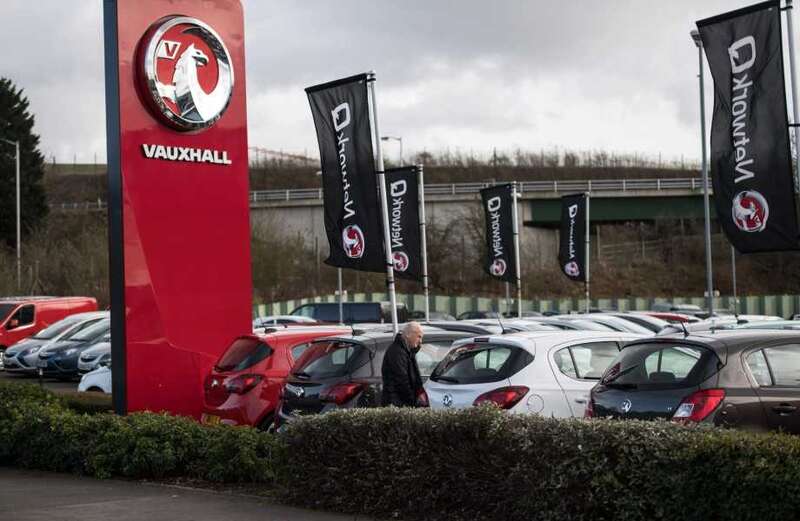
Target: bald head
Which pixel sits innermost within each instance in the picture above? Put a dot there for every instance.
(412, 334)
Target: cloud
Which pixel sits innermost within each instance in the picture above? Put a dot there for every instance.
(615, 75)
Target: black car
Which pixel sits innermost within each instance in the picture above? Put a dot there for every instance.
(60, 360)
(748, 379)
(345, 372)
(472, 315)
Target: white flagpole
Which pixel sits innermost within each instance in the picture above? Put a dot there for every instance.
(384, 201)
(795, 108)
(587, 254)
(706, 205)
(341, 306)
(425, 285)
(733, 273)
(515, 223)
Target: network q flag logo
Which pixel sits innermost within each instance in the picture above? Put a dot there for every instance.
(353, 241)
(750, 211)
(186, 73)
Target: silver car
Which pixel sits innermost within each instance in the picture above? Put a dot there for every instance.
(21, 357)
(98, 355)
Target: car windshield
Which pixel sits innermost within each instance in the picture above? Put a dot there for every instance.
(661, 366)
(56, 329)
(5, 310)
(95, 330)
(242, 354)
(429, 356)
(330, 359)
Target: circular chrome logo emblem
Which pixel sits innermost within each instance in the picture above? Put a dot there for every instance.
(400, 261)
(447, 400)
(750, 211)
(625, 406)
(353, 241)
(187, 74)
(571, 268)
(498, 268)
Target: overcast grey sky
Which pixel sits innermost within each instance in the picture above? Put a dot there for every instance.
(471, 74)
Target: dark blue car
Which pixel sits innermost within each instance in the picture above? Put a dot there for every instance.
(60, 360)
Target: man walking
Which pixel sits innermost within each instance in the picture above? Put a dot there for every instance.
(401, 379)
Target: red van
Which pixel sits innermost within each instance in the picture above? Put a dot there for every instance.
(21, 317)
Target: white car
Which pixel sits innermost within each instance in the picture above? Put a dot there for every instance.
(537, 372)
(97, 355)
(98, 380)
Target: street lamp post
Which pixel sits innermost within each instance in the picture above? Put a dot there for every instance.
(399, 140)
(19, 241)
(709, 276)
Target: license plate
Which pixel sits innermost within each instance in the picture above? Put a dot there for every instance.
(41, 364)
(210, 419)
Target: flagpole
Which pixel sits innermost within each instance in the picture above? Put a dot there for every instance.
(795, 108)
(587, 254)
(384, 201)
(341, 306)
(425, 285)
(706, 205)
(733, 271)
(515, 222)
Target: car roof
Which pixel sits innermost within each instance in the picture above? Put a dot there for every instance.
(525, 338)
(369, 337)
(723, 340)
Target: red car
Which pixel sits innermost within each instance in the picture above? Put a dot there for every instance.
(243, 387)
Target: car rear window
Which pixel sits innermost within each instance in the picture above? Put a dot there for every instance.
(429, 356)
(661, 366)
(481, 363)
(586, 361)
(243, 354)
(330, 359)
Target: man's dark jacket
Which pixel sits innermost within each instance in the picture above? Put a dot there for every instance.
(401, 378)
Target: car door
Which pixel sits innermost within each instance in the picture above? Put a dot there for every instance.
(25, 327)
(578, 367)
(777, 371)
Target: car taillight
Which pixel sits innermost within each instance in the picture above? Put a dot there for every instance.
(243, 383)
(422, 399)
(341, 393)
(504, 397)
(697, 406)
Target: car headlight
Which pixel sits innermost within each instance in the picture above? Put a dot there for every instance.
(71, 351)
(34, 350)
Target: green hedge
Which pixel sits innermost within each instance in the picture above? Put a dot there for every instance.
(484, 464)
(39, 431)
(473, 464)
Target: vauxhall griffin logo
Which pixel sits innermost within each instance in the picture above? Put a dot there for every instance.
(400, 260)
(186, 72)
(571, 269)
(498, 268)
(750, 211)
(353, 241)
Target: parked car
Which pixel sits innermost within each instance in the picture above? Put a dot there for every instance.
(468, 326)
(344, 372)
(542, 372)
(654, 324)
(472, 315)
(686, 309)
(243, 386)
(354, 312)
(763, 324)
(432, 315)
(671, 317)
(98, 380)
(613, 323)
(99, 354)
(274, 320)
(514, 325)
(60, 360)
(23, 356)
(748, 379)
(22, 317)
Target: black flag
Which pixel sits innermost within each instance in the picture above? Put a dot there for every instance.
(751, 165)
(572, 247)
(349, 182)
(402, 188)
(498, 206)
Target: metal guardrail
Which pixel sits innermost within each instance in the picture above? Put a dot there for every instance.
(597, 185)
(525, 187)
